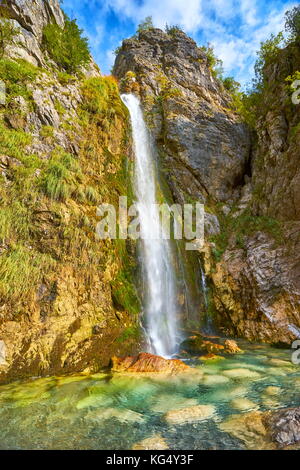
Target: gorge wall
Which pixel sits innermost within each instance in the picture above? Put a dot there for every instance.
(247, 179)
(67, 301)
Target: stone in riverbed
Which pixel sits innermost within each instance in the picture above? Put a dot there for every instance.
(168, 402)
(215, 380)
(283, 426)
(145, 362)
(156, 442)
(241, 374)
(231, 347)
(190, 414)
(243, 404)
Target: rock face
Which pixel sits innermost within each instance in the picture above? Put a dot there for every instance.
(257, 286)
(145, 362)
(55, 168)
(284, 426)
(204, 146)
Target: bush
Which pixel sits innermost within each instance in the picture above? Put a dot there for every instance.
(145, 25)
(215, 64)
(66, 46)
(292, 23)
(173, 30)
(266, 55)
(231, 85)
(101, 98)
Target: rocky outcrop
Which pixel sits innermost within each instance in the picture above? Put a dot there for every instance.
(257, 285)
(65, 310)
(145, 362)
(204, 145)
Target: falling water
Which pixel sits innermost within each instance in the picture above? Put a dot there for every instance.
(160, 304)
(208, 322)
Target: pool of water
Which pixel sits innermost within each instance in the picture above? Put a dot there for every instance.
(114, 412)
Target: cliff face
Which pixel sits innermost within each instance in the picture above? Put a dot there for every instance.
(248, 187)
(204, 146)
(67, 302)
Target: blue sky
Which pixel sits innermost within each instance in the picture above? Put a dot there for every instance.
(234, 27)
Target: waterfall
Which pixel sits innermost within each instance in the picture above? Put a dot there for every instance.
(156, 257)
(208, 322)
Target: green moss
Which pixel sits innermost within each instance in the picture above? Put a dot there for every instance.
(132, 332)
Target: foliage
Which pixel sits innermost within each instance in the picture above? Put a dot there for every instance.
(61, 177)
(145, 25)
(266, 55)
(17, 74)
(231, 85)
(215, 64)
(101, 98)
(8, 31)
(292, 23)
(21, 268)
(66, 46)
(173, 30)
(12, 142)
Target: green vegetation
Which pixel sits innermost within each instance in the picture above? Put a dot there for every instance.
(7, 33)
(242, 226)
(21, 267)
(61, 177)
(132, 332)
(145, 25)
(215, 64)
(292, 23)
(266, 55)
(173, 30)
(16, 74)
(12, 142)
(67, 46)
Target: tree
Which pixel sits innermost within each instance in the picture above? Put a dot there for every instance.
(215, 64)
(266, 55)
(292, 22)
(145, 25)
(231, 84)
(66, 46)
(7, 33)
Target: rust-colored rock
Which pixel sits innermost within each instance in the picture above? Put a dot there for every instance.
(231, 347)
(145, 362)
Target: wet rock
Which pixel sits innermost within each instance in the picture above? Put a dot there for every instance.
(243, 404)
(190, 414)
(231, 347)
(241, 374)
(124, 416)
(250, 429)
(272, 390)
(284, 426)
(166, 403)
(156, 442)
(145, 362)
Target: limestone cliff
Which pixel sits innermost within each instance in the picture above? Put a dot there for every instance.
(247, 183)
(67, 302)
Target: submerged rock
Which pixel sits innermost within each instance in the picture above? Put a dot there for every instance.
(146, 362)
(243, 404)
(241, 374)
(156, 442)
(190, 414)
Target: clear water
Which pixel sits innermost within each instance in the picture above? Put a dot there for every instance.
(114, 412)
(155, 252)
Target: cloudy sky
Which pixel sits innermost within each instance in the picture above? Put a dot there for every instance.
(234, 27)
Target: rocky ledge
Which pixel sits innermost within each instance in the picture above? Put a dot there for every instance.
(145, 362)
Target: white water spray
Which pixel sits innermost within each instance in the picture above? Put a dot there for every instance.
(160, 304)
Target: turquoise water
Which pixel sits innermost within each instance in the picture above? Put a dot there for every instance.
(111, 412)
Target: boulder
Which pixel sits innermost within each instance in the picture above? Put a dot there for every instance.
(146, 362)
(190, 414)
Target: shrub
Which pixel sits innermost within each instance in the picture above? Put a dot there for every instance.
(266, 55)
(173, 30)
(66, 46)
(101, 98)
(231, 85)
(292, 23)
(215, 64)
(145, 25)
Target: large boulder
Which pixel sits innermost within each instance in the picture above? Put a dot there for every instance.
(145, 362)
